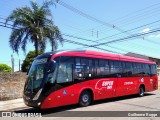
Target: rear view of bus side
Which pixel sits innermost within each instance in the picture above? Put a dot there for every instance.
(84, 76)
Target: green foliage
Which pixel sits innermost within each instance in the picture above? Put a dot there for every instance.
(29, 59)
(5, 68)
(34, 25)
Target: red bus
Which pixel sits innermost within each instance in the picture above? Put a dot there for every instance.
(70, 77)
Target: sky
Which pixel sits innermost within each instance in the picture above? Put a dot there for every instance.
(106, 21)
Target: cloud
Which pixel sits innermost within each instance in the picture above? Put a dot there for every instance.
(146, 30)
(154, 36)
(157, 36)
(151, 36)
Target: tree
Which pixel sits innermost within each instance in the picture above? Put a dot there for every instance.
(33, 24)
(5, 68)
(29, 59)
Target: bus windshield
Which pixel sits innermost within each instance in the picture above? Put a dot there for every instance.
(36, 74)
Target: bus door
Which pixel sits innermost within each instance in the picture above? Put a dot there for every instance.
(65, 93)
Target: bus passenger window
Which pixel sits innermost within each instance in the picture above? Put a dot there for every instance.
(83, 68)
(153, 69)
(127, 69)
(147, 70)
(65, 70)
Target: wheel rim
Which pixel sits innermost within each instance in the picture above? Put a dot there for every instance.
(85, 98)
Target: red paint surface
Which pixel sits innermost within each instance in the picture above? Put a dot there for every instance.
(120, 86)
(95, 54)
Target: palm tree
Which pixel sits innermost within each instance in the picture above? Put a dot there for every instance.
(34, 25)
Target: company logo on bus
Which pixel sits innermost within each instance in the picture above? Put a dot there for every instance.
(104, 84)
(128, 83)
(141, 80)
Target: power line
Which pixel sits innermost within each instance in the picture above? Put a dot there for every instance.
(106, 44)
(78, 43)
(95, 18)
(128, 37)
(131, 29)
(85, 39)
(7, 26)
(98, 42)
(138, 11)
(89, 16)
(101, 38)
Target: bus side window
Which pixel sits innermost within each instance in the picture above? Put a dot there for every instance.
(117, 69)
(153, 69)
(101, 68)
(120, 69)
(124, 73)
(127, 69)
(83, 68)
(146, 70)
(65, 69)
(78, 69)
(143, 70)
(136, 70)
(114, 68)
(97, 68)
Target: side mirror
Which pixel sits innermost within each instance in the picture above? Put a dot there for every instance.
(51, 66)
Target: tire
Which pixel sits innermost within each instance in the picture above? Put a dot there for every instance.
(141, 91)
(85, 99)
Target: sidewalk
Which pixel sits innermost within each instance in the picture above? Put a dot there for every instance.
(9, 105)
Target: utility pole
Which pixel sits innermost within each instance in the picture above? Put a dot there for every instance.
(92, 32)
(19, 65)
(12, 61)
(97, 34)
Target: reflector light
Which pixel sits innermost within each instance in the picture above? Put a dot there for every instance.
(49, 98)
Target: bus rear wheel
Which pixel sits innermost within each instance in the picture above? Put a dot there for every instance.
(85, 99)
(141, 91)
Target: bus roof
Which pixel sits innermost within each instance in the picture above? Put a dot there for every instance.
(102, 55)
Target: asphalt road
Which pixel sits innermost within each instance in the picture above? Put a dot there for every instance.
(99, 110)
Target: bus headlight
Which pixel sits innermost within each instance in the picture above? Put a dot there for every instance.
(37, 95)
(39, 103)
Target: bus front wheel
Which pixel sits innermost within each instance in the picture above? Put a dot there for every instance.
(141, 91)
(85, 99)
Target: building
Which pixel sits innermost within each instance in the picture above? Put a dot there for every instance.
(157, 60)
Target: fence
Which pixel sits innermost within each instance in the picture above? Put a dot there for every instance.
(11, 85)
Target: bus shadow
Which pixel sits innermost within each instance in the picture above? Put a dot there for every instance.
(116, 99)
(70, 107)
